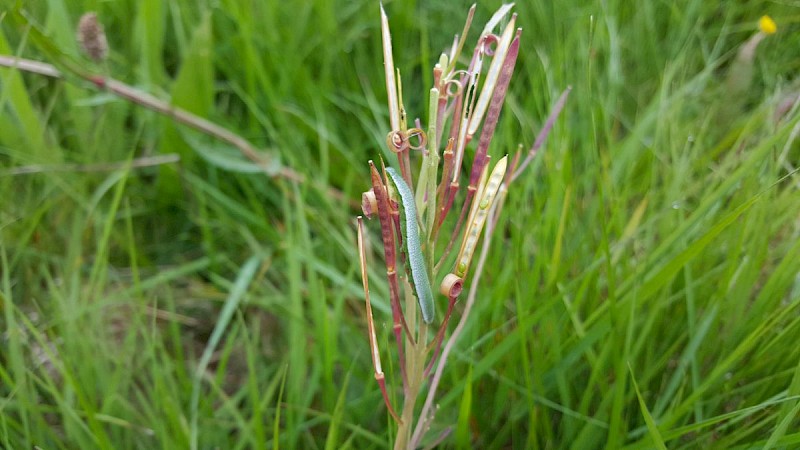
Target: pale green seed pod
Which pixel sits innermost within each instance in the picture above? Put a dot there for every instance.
(479, 218)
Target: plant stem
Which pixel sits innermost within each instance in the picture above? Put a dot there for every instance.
(270, 167)
(415, 369)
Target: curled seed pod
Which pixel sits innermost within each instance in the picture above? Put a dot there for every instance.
(453, 87)
(490, 42)
(397, 141)
(422, 138)
(452, 285)
(92, 37)
(369, 204)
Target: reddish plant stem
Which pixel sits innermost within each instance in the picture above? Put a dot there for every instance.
(457, 230)
(458, 104)
(445, 186)
(447, 168)
(458, 155)
(390, 257)
(450, 192)
(440, 335)
(403, 163)
(373, 342)
(406, 162)
(381, 379)
(544, 132)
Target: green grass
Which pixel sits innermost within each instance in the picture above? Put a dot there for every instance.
(642, 291)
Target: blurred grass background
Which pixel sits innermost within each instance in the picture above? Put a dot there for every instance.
(647, 268)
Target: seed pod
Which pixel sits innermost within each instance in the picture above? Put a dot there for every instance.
(479, 218)
(369, 203)
(451, 286)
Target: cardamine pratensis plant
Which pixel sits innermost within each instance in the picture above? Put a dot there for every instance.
(463, 101)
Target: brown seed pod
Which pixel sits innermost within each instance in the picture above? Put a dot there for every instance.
(369, 203)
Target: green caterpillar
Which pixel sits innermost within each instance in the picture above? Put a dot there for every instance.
(414, 248)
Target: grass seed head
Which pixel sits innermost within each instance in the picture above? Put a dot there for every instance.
(92, 37)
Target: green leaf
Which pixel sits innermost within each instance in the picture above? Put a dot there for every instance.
(462, 431)
(246, 275)
(228, 158)
(658, 441)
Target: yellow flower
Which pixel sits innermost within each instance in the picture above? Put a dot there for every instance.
(767, 25)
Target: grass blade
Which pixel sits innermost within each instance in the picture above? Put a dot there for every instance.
(239, 289)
